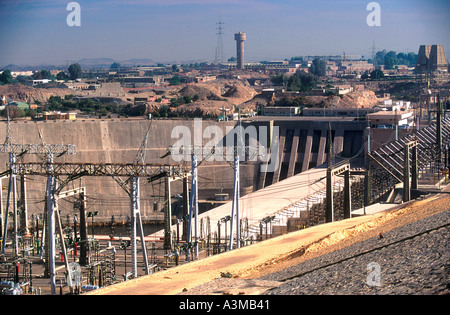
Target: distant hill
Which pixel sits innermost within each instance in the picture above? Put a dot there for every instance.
(137, 62)
(96, 62)
(107, 62)
(29, 94)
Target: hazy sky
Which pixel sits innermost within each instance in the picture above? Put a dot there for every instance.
(36, 32)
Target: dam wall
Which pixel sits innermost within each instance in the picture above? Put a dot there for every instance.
(302, 146)
(118, 141)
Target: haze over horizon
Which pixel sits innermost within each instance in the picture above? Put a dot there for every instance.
(36, 32)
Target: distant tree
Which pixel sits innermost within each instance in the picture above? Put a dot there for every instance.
(45, 74)
(174, 102)
(376, 74)
(176, 80)
(390, 60)
(115, 66)
(187, 99)
(23, 79)
(319, 67)
(379, 57)
(301, 81)
(297, 59)
(30, 113)
(13, 112)
(164, 111)
(37, 75)
(175, 68)
(409, 59)
(130, 110)
(278, 79)
(75, 71)
(6, 77)
(62, 76)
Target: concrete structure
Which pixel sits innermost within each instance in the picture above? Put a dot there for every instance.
(391, 119)
(303, 143)
(281, 111)
(39, 82)
(304, 140)
(338, 112)
(431, 58)
(240, 38)
(59, 116)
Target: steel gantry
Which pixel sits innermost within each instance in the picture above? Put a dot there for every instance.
(45, 152)
(133, 172)
(239, 153)
(126, 175)
(332, 171)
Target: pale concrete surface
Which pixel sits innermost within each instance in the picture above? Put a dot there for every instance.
(264, 202)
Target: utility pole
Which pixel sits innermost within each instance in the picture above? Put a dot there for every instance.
(167, 216)
(329, 213)
(409, 182)
(239, 150)
(193, 208)
(439, 129)
(235, 205)
(51, 187)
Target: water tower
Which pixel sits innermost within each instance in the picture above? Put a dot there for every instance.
(240, 38)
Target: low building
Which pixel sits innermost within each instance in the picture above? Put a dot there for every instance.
(140, 100)
(338, 112)
(281, 111)
(15, 74)
(58, 116)
(39, 82)
(78, 86)
(395, 105)
(203, 79)
(391, 119)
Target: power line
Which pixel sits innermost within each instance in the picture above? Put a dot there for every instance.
(219, 55)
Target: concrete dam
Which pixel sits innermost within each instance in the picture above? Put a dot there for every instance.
(302, 145)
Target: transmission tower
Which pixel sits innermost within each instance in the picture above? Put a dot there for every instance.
(219, 56)
(374, 54)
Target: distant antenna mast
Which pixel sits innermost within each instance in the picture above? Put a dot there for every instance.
(219, 56)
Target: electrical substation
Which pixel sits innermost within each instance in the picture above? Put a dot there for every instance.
(107, 202)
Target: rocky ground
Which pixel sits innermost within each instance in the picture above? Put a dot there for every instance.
(411, 259)
(29, 94)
